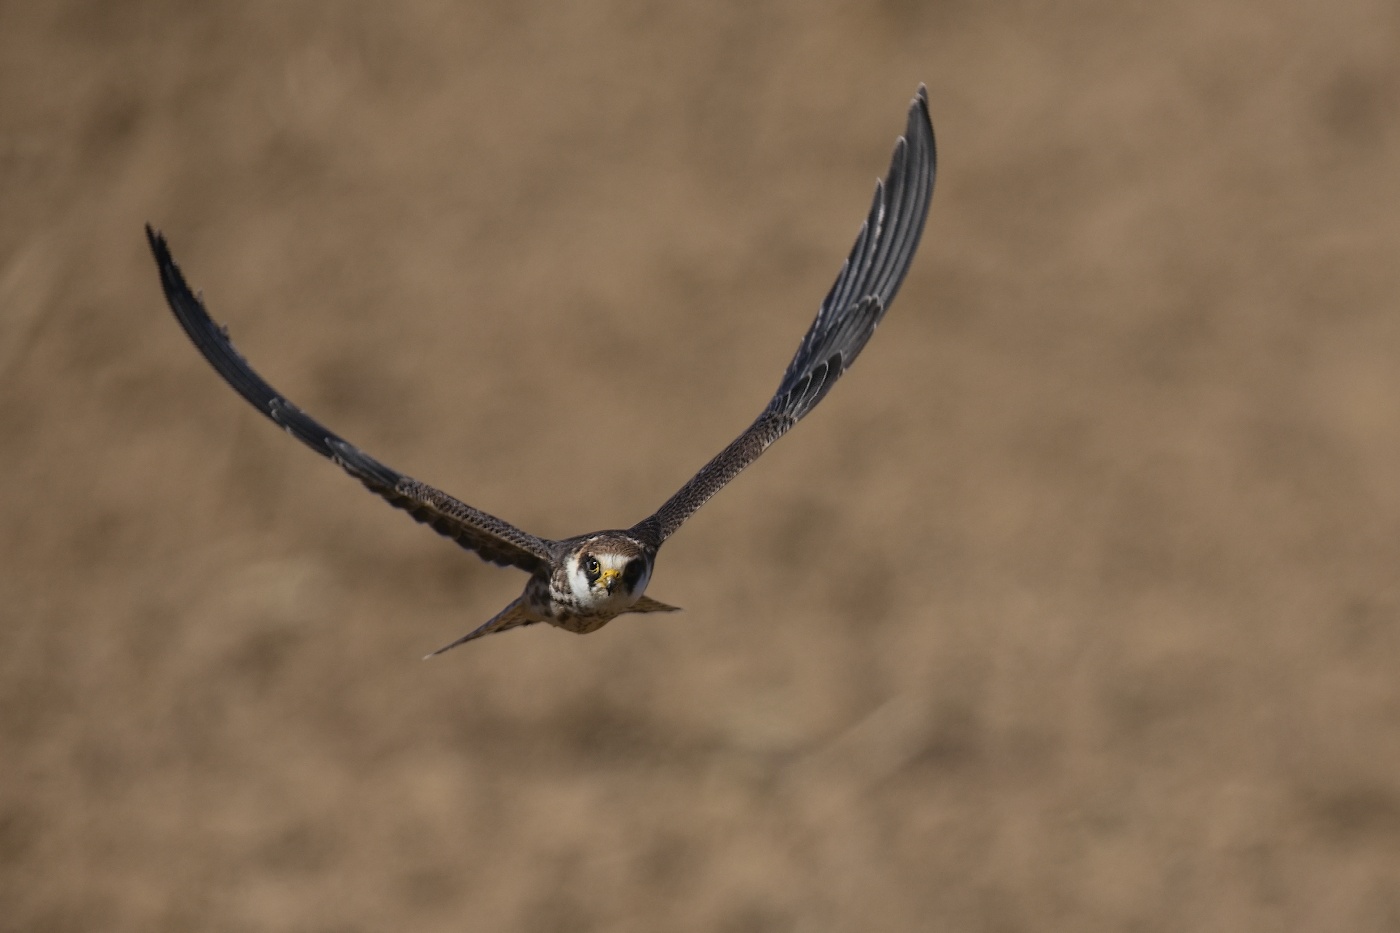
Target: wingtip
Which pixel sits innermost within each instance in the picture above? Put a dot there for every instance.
(919, 105)
(172, 280)
(921, 124)
(156, 240)
(918, 111)
(445, 648)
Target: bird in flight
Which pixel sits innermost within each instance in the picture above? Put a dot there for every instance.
(582, 583)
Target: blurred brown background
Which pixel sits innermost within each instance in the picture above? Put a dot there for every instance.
(1073, 608)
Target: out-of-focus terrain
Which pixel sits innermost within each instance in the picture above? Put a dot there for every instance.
(1075, 607)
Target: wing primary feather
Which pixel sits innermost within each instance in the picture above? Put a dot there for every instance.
(494, 540)
(852, 310)
(846, 284)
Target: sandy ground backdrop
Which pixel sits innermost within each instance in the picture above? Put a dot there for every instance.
(1074, 608)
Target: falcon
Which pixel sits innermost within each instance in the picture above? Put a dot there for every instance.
(582, 583)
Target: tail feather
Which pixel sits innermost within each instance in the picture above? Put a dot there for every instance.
(510, 617)
(647, 604)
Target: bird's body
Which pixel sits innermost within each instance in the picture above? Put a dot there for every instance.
(580, 584)
(596, 578)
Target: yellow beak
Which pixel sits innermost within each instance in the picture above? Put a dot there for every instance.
(607, 578)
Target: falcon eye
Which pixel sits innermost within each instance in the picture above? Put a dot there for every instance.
(591, 567)
(633, 573)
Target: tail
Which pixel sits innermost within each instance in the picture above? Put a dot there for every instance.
(647, 604)
(510, 617)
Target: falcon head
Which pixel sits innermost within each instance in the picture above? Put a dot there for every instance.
(607, 572)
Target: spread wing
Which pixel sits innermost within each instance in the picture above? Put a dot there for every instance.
(847, 318)
(494, 540)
